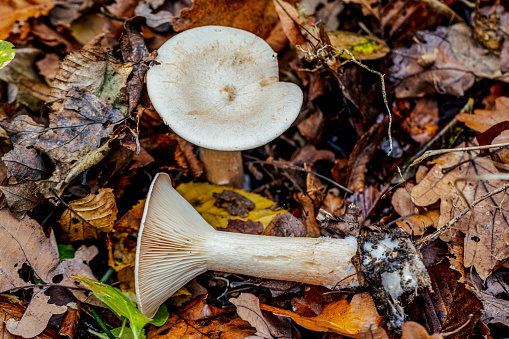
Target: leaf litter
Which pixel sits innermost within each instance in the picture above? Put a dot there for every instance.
(80, 142)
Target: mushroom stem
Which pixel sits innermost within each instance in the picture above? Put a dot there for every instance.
(223, 167)
(316, 261)
(175, 244)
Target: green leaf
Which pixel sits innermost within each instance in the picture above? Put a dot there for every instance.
(66, 251)
(7, 52)
(161, 316)
(117, 333)
(118, 303)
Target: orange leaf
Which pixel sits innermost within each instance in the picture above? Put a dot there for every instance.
(17, 11)
(339, 317)
(291, 22)
(255, 16)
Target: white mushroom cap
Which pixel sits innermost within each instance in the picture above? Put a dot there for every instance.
(218, 88)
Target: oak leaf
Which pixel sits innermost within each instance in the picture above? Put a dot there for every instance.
(341, 317)
(483, 119)
(484, 231)
(95, 213)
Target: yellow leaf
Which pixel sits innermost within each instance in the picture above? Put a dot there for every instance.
(200, 195)
(362, 47)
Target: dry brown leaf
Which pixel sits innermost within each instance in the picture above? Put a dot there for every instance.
(483, 119)
(24, 163)
(38, 313)
(24, 243)
(257, 17)
(197, 320)
(99, 210)
(339, 317)
(248, 308)
(450, 304)
(415, 222)
(496, 310)
(312, 127)
(13, 308)
(484, 248)
(14, 13)
(22, 197)
(413, 330)
(422, 123)
(291, 22)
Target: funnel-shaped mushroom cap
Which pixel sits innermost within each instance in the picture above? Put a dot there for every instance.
(217, 87)
(170, 250)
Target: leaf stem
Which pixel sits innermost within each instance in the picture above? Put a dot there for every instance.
(107, 275)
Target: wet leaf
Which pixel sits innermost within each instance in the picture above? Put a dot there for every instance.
(7, 52)
(118, 303)
(489, 220)
(99, 211)
(200, 195)
(339, 317)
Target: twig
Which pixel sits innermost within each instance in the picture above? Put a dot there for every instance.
(14, 289)
(384, 93)
(107, 275)
(443, 228)
(431, 153)
(276, 163)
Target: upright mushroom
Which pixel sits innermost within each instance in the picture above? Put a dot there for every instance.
(218, 87)
(175, 244)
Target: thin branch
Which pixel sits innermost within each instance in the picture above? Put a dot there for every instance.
(444, 227)
(431, 153)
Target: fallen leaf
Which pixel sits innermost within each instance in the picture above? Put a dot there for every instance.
(362, 47)
(495, 309)
(22, 197)
(246, 227)
(49, 65)
(74, 131)
(24, 243)
(158, 14)
(122, 242)
(200, 195)
(99, 211)
(361, 155)
(15, 13)
(291, 22)
(312, 127)
(248, 308)
(309, 155)
(413, 330)
(489, 221)
(13, 308)
(450, 304)
(422, 122)
(341, 317)
(197, 320)
(257, 17)
(38, 313)
(483, 119)
(285, 225)
(91, 71)
(444, 73)
(24, 163)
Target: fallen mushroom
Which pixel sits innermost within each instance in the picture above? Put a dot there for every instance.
(218, 87)
(175, 244)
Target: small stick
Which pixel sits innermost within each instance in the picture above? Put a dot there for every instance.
(444, 227)
(431, 153)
